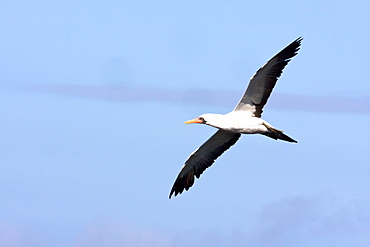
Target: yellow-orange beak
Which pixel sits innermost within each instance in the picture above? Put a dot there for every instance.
(195, 120)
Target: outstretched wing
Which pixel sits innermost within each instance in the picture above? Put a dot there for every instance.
(202, 158)
(264, 80)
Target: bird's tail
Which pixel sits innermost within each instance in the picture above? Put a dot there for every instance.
(277, 134)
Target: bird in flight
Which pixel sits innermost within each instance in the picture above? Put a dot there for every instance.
(244, 119)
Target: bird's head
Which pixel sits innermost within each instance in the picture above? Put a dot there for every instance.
(204, 119)
(199, 119)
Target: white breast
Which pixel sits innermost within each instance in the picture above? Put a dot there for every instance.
(237, 122)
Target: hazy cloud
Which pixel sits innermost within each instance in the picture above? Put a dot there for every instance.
(294, 221)
(328, 104)
(109, 232)
(20, 235)
(312, 221)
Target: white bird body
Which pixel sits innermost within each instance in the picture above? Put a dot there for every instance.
(244, 119)
(236, 122)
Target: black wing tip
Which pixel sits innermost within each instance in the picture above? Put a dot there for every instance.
(296, 44)
(177, 190)
(174, 193)
(185, 183)
(169, 197)
(298, 40)
(290, 51)
(178, 187)
(171, 193)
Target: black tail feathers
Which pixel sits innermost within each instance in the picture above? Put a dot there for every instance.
(276, 134)
(279, 135)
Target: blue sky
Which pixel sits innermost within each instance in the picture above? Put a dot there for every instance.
(93, 96)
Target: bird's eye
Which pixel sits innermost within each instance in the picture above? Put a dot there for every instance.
(201, 119)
